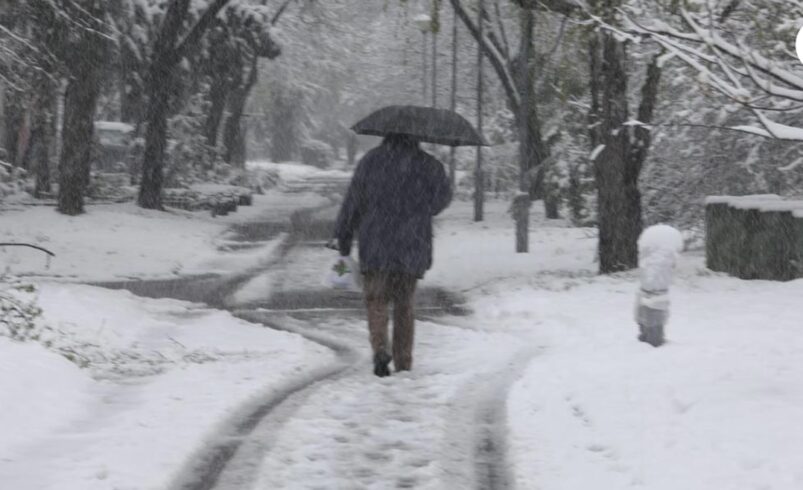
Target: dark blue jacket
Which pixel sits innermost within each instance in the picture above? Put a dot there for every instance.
(396, 190)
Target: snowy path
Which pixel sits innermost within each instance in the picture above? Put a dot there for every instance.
(440, 426)
(225, 404)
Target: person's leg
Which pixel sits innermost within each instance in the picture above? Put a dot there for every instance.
(403, 291)
(375, 286)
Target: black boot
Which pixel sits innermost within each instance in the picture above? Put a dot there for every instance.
(381, 361)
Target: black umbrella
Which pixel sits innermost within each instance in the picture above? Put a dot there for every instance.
(427, 124)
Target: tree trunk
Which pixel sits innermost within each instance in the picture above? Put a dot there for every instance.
(233, 134)
(551, 200)
(158, 87)
(131, 96)
(14, 119)
(150, 189)
(79, 116)
(535, 152)
(41, 126)
(619, 199)
(233, 154)
(284, 125)
(575, 199)
(80, 105)
(527, 131)
(166, 56)
(217, 104)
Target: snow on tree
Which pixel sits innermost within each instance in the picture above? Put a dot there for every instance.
(741, 51)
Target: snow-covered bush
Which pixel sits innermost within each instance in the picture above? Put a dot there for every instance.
(257, 180)
(111, 186)
(189, 158)
(317, 154)
(19, 310)
(502, 169)
(21, 321)
(12, 180)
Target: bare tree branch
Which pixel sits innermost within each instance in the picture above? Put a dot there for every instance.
(499, 63)
(502, 31)
(489, 32)
(649, 97)
(37, 247)
(200, 27)
(278, 14)
(553, 51)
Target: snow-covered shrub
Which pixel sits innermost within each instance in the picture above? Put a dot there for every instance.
(21, 321)
(111, 186)
(19, 310)
(13, 180)
(502, 169)
(317, 154)
(189, 158)
(572, 173)
(257, 180)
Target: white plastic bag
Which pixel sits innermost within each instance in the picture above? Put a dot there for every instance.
(344, 273)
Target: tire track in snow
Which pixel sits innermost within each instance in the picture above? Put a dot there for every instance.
(493, 471)
(236, 457)
(403, 429)
(232, 458)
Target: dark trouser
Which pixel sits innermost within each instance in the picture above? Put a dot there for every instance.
(382, 288)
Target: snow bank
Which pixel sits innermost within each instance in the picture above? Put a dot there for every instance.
(294, 171)
(165, 375)
(718, 407)
(41, 391)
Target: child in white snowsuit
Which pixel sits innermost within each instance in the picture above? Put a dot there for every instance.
(659, 247)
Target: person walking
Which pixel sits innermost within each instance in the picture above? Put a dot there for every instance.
(396, 190)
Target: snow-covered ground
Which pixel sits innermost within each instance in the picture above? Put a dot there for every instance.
(585, 405)
(411, 430)
(290, 172)
(123, 241)
(717, 407)
(470, 254)
(163, 377)
(157, 378)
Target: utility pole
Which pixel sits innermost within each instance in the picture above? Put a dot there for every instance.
(423, 65)
(434, 67)
(479, 187)
(424, 23)
(453, 102)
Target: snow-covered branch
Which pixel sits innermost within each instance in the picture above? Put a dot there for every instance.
(744, 74)
(198, 30)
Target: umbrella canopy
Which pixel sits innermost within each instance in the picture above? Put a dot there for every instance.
(427, 124)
